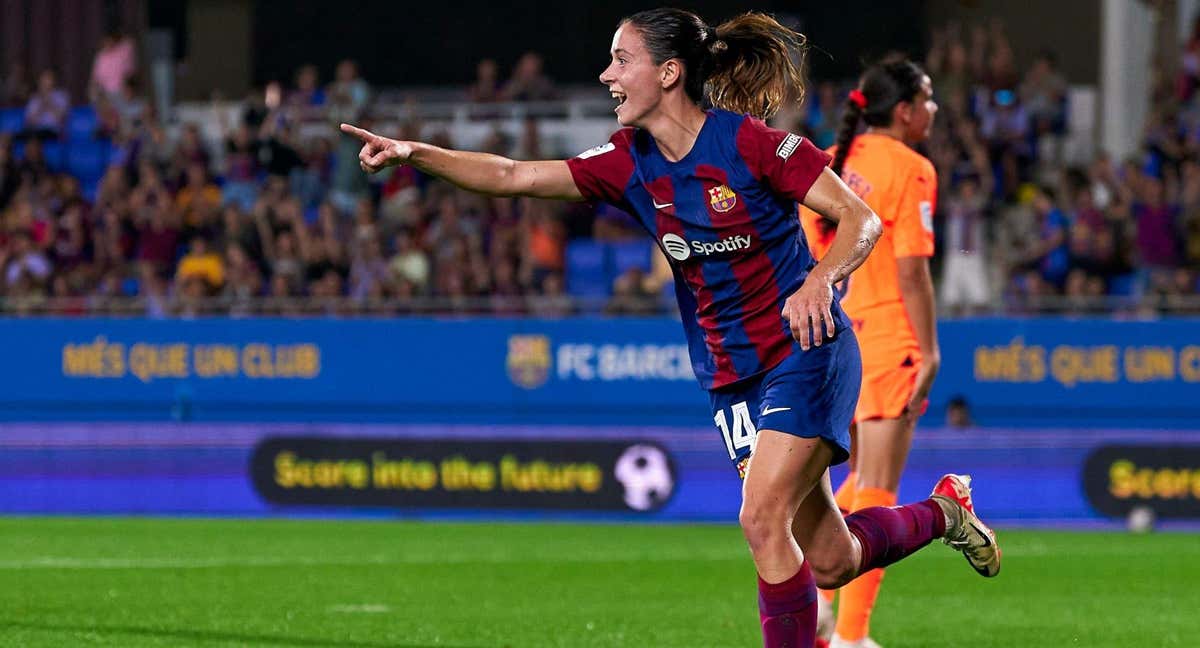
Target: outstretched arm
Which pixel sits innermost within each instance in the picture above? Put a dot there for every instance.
(479, 172)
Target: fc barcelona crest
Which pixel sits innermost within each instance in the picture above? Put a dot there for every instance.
(528, 360)
(722, 198)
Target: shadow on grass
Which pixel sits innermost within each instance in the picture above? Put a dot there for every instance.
(215, 636)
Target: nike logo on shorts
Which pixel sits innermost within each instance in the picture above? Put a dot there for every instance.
(662, 206)
(772, 410)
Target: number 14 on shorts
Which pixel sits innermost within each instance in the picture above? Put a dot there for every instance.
(740, 433)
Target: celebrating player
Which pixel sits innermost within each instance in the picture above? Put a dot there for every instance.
(889, 298)
(718, 189)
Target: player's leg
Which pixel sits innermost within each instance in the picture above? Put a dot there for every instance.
(784, 469)
(844, 497)
(883, 451)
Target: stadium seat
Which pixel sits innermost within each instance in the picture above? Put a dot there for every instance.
(630, 255)
(81, 123)
(588, 272)
(12, 120)
(87, 159)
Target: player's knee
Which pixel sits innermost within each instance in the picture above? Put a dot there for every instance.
(832, 571)
(763, 525)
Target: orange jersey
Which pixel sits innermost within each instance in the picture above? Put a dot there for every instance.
(900, 186)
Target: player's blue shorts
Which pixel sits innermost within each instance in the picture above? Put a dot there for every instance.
(810, 394)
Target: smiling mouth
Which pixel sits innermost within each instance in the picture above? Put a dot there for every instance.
(620, 97)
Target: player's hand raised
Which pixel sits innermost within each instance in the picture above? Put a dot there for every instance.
(809, 312)
(378, 152)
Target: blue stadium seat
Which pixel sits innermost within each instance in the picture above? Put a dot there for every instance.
(55, 153)
(82, 123)
(587, 269)
(630, 255)
(12, 120)
(87, 159)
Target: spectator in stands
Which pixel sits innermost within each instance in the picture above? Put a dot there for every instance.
(553, 301)
(241, 168)
(409, 263)
(486, 87)
(368, 270)
(544, 241)
(190, 151)
(202, 263)
(114, 65)
(964, 285)
(1043, 93)
(9, 176)
(46, 112)
(529, 82)
(27, 268)
(348, 94)
(1155, 218)
(1050, 256)
(158, 238)
(244, 283)
(307, 92)
(632, 296)
(199, 200)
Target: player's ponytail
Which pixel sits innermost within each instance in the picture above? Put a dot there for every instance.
(883, 86)
(744, 65)
(751, 67)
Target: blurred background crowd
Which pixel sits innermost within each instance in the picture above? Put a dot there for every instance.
(107, 209)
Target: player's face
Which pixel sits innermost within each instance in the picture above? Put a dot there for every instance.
(632, 77)
(923, 110)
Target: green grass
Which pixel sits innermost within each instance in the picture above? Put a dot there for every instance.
(122, 582)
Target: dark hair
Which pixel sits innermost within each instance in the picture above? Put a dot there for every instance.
(883, 85)
(743, 65)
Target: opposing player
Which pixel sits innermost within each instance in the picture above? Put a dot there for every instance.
(718, 190)
(889, 298)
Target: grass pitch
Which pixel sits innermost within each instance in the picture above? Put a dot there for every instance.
(164, 582)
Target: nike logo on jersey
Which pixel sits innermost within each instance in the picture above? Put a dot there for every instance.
(772, 410)
(662, 206)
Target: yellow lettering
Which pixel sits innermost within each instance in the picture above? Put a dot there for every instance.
(96, 359)
(1072, 365)
(256, 361)
(1120, 479)
(291, 472)
(1189, 363)
(1147, 364)
(1013, 363)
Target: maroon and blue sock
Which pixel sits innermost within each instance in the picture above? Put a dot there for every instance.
(889, 533)
(788, 610)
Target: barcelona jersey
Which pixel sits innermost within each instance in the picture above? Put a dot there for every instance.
(725, 216)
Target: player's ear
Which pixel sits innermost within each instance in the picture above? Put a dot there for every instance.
(902, 113)
(669, 73)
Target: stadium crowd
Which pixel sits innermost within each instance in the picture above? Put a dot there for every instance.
(266, 221)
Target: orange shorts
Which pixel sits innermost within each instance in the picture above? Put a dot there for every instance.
(890, 356)
(886, 391)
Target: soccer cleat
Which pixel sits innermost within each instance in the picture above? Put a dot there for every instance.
(826, 621)
(865, 642)
(964, 530)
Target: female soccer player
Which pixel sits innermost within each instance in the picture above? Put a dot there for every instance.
(889, 298)
(718, 190)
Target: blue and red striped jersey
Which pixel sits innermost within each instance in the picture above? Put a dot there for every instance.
(725, 215)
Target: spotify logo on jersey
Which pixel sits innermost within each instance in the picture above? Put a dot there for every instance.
(681, 250)
(676, 247)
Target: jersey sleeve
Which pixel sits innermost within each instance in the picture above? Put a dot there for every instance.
(912, 233)
(602, 173)
(787, 163)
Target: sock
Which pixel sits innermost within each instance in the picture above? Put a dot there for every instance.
(787, 611)
(844, 496)
(888, 534)
(858, 596)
